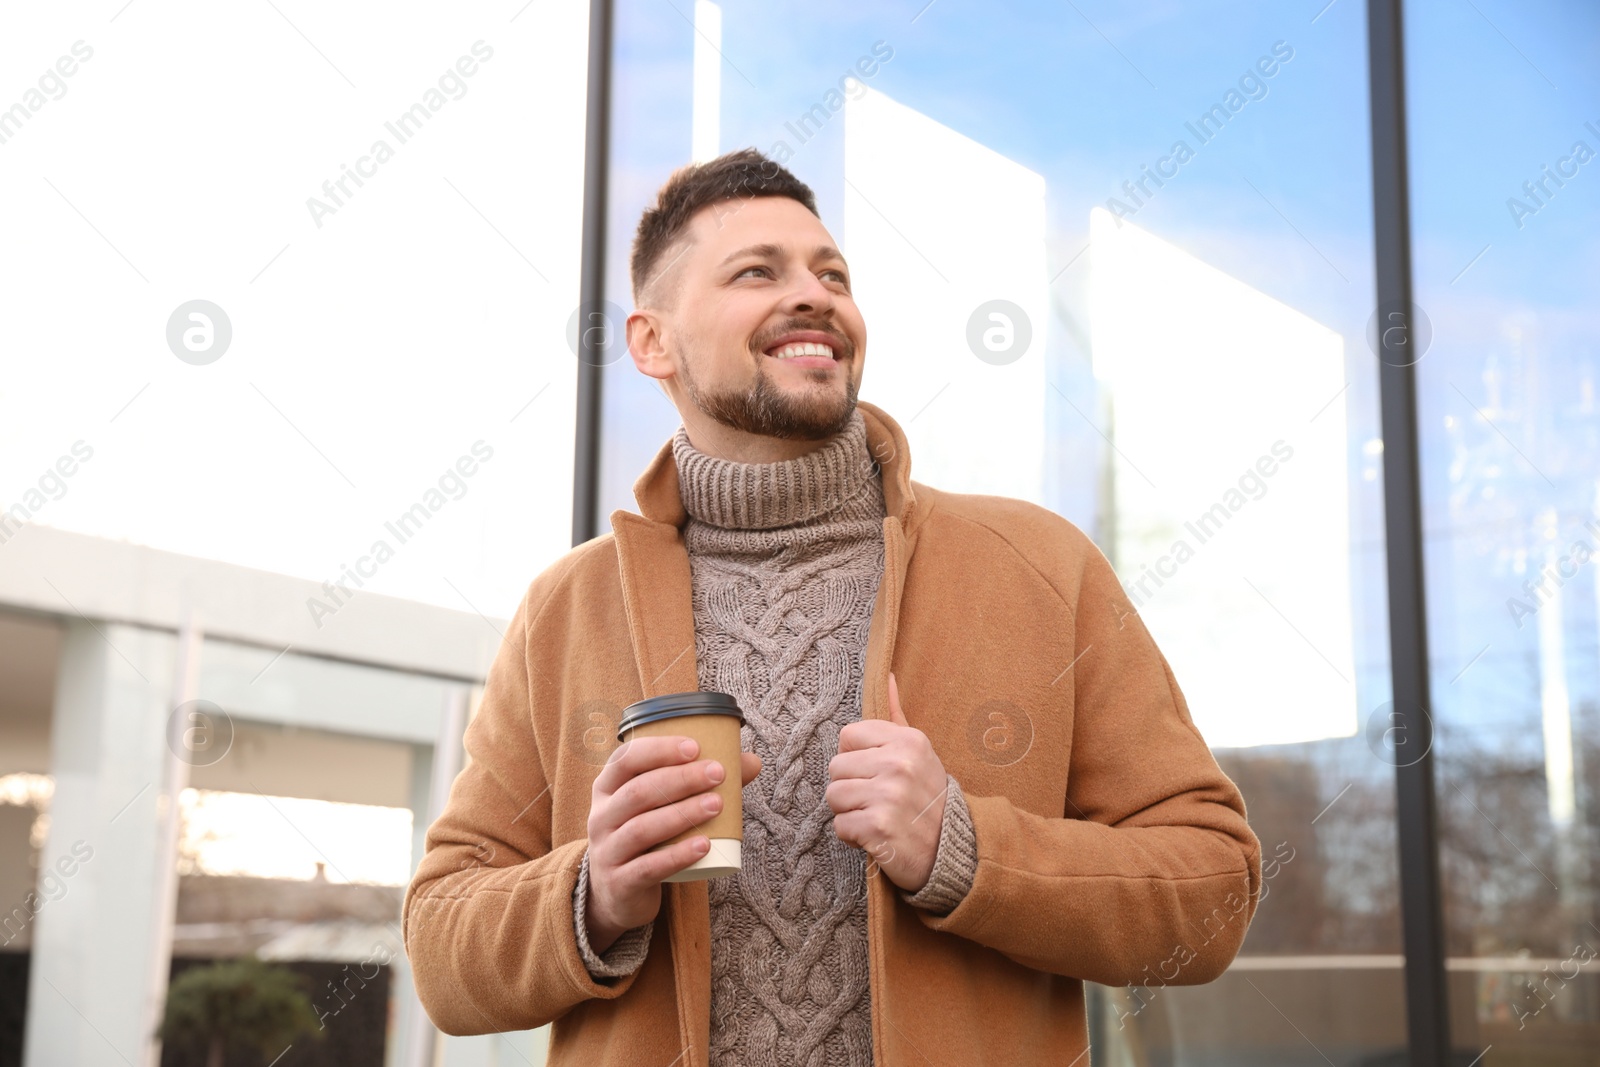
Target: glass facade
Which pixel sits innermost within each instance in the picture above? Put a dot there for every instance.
(1507, 271)
(1121, 263)
(1120, 266)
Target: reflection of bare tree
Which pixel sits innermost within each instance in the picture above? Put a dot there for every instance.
(1280, 800)
(1502, 860)
(1509, 881)
(1362, 848)
(1331, 806)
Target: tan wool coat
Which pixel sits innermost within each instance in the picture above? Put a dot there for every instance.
(1111, 847)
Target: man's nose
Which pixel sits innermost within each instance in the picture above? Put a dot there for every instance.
(808, 294)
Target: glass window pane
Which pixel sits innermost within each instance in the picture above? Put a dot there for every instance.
(1118, 265)
(1506, 208)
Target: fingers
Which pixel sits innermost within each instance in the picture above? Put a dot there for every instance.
(654, 867)
(868, 733)
(896, 715)
(645, 831)
(862, 763)
(850, 794)
(634, 757)
(659, 786)
(664, 787)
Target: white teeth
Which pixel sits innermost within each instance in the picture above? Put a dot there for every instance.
(803, 349)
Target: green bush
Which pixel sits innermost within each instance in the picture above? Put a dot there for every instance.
(241, 1003)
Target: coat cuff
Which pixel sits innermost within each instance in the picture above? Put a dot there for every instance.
(956, 861)
(626, 953)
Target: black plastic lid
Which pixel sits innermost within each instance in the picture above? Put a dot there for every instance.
(672, 705)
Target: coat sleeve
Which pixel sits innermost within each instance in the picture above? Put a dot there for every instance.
(1151, 874)
(489, 918)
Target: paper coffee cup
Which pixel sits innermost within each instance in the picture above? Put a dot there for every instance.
(713, 720)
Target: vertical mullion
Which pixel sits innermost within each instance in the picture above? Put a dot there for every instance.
(592, 276)
(1427, 1001)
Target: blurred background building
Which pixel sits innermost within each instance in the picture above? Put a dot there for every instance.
(288, 421)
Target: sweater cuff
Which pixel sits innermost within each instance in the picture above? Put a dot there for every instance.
(956, 862)
(626, 953)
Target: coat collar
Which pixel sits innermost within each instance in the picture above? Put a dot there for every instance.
(660, 499)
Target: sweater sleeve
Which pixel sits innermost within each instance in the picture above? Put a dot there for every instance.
(626, 953)
(955, 861)
(488, 918)
(1150, 875)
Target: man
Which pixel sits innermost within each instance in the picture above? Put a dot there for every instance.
(971, 782)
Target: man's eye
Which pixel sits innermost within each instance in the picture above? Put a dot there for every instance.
(839, 274)
(747, 270)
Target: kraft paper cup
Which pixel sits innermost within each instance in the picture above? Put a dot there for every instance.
(713, 720)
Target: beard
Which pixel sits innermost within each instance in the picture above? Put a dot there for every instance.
(767, 411)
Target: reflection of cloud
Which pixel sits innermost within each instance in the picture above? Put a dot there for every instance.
(1215, 386)
(939, 228)
(707, 80)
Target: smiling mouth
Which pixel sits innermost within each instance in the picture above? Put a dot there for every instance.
(803, 350)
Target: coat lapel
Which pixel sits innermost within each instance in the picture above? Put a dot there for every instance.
(656, 592)
(887, 443)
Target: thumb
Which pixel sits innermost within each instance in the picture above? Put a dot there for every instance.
(749, 768)
(896, 715)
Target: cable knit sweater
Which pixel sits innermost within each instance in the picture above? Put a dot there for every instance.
(785, 560)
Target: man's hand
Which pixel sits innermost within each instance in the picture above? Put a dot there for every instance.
(887, 792)
(650, 790)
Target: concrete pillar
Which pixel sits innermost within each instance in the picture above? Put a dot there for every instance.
(413, 1041)
(411, 1035)
(93, 945)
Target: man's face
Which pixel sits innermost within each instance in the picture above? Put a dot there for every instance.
(759, 325)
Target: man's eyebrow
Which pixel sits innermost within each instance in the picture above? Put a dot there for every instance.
(769, 251)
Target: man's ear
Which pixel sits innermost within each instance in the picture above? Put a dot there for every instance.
(647, 346)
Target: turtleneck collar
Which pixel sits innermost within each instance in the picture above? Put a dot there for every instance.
(831, 481)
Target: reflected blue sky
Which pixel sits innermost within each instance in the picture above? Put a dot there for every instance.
(1511, 432)
(1086, 94)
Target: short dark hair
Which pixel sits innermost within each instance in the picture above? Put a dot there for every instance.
(742, 174)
